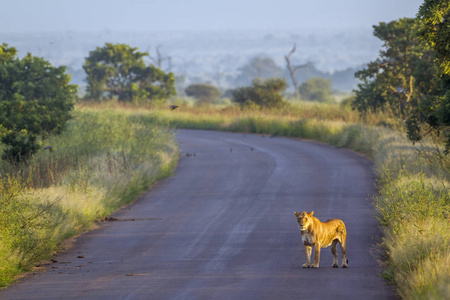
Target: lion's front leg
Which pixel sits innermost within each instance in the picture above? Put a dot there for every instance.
(316, 256)
(308, 256)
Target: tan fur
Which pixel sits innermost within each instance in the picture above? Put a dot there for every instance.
(321, 235)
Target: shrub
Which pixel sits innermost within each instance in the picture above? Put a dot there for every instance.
(204, 93)
(316, 89)
(266, 94)
(35, 101)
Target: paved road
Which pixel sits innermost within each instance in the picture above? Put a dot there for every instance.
(223, 228)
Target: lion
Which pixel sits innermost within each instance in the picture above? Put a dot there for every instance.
(321, 235)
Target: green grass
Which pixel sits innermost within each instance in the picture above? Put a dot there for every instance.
(104, 160)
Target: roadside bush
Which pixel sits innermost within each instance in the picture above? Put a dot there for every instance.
(36, 100)
(204, 93)
(263, 94)
(317, 89)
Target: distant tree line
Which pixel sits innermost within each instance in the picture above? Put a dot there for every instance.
(265, 68)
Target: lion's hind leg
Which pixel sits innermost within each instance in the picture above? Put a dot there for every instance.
(343, 246)
(335, 256)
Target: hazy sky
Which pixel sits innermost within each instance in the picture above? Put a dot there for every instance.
(81, 15)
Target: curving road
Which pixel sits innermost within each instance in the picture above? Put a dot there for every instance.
(223, 228)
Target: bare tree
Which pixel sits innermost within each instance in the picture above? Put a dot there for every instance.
(293, 69)
(159, 59)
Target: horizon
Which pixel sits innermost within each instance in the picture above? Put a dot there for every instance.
(204, 39)
(29, 16)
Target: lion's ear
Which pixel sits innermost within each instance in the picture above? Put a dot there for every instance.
(311, 213)
(296, 213)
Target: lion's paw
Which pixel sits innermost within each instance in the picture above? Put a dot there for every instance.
(344, 264)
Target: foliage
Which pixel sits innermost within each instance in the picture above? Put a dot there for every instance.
(258, 67)
(35, 100)
(433, 114)
(434, 18)
(316, 89)
(7, 54)
(118, 70)
(205, 93)
(394, 81)
(263, 94)
(405, 81)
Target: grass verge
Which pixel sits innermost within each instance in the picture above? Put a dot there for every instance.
(103, 160)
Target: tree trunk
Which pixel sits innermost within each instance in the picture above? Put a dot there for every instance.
(293, 69)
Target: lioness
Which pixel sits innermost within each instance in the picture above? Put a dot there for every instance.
(321, 235)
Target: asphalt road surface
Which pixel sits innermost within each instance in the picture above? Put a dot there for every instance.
(223, 228)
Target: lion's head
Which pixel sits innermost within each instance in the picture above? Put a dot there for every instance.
(304, 219)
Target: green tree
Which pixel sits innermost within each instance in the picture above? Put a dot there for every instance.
(118, 70)
(396, 80)
(432, 115)
(205, 93)
(317, 89)
(406, 80)
(35, 100)
(153, 84)
(265, 94)
(434, 20)
(7, 54)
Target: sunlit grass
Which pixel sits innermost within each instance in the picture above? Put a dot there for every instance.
(420, 258)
